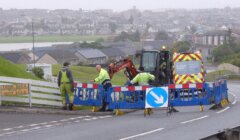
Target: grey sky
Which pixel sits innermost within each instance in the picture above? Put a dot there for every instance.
(117, 4)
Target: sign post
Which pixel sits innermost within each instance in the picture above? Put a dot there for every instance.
(156, 97)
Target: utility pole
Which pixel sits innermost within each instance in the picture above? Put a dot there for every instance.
(33, 49)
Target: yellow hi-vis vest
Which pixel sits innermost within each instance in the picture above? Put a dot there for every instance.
(143, 78)
(64, 78)
(103, 75)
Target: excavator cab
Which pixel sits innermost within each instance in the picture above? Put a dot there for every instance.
(157, 63)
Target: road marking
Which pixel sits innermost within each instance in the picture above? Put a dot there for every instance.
(94, 118)
(35, 128)
(33, 124)
(63, 120)
(25, 130)
(44, 123)
(53, 122)
(235, 98)
(194, 119)
(234, 102)
(21, 126)
(223, 110)
(7, 129)
(48, 126)
(142, 134)
(102, 117)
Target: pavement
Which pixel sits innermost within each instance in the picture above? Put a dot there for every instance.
(59, 111)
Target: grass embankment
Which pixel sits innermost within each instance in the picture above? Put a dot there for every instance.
(85, 74)
(13, 70)
(50, 38)
(211, 76)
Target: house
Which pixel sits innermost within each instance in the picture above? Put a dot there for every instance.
(16, 57)
(126, 47)
(113, 53)
(48, 59)
(214, 38)
(91, 56)
(206, 50)
(58, 56)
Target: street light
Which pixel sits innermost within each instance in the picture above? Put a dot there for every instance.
(33, 49)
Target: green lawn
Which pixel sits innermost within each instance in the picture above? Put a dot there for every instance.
(210, 77)
(12, 70)
(50, 38)
(85, 74)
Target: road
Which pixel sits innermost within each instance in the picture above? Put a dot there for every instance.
(188, 124)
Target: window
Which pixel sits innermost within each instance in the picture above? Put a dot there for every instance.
(149, 61)
(188, 67)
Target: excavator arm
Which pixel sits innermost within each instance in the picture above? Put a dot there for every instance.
(127, 64)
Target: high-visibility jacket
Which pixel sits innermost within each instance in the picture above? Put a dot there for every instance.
(65, 75)
(142, 78)
(64, 78)
(103, 75)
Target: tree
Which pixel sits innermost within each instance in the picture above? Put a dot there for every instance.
(130, 20)
(126, 36)
(112, 27)
(122, 37)
(181, 46)
(38, 72)
(231, 39)
(193, 29)
(161, 35)
(135, 36)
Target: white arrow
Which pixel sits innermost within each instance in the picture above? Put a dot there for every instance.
(159, 100)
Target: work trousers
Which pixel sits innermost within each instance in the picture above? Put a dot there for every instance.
(66, 88)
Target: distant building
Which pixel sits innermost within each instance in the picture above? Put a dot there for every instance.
(91, 56)
(58, 56)
(47, 69)
(206, 50)
(213, 38)
(113, 53)
(16, 57)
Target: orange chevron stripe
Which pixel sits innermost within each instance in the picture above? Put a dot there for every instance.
(198, 57)
(192, 56)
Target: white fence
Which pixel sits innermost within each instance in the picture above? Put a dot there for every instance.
(40, 92)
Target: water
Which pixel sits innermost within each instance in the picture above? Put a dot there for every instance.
(28, 46)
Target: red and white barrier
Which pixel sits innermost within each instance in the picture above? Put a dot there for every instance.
(85, 85)
(130, 88)
(185, 86)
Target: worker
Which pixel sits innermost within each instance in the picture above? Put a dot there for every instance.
(65, 82)
(104, 79)
(162, 71)
(142, 78)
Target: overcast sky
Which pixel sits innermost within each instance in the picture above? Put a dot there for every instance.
(117, 5)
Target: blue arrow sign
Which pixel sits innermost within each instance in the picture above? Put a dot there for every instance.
(156, 97)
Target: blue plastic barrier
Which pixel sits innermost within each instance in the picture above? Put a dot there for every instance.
(131, 97)
(220, 91)
(88, 94)
(190, 94)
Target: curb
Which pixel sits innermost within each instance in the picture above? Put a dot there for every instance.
(56, 111)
